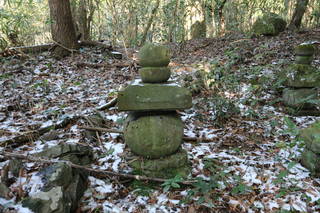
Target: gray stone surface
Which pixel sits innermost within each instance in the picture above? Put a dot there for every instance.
(76, 153)
(149, 97)
(311, 137)
(153, 136)
(310, 160)
(165, 167)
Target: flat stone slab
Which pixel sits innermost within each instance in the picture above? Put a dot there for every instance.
(150, 97)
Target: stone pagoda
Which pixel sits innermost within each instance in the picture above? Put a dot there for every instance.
(303, 83)
(153, 129)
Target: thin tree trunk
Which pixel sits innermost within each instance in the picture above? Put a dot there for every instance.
(62, 28)
(146, 30)
(300, 9)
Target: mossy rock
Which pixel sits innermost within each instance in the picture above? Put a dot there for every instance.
(151, 55)
(198, 30)
(269, 24)
(304, 59)
(154, 74)
(310, 160)
(153, 136)
(300, 98)
(302, 75)
(166, 167)
(154, 97)
(311, 137)
(304, 50)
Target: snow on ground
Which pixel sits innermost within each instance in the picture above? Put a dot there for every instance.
(260, 169)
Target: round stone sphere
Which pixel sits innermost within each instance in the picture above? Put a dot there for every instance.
(153, 136)
(151, 55)
(154, 74)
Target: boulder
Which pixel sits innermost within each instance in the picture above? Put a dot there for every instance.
(300, 98)
(76, 153)
(150, 97)
(52, 201)
(165, 167)
(152, 55)
(153, 136)
(62, 189)
(270, 24)
(198, 30)
(154, 74)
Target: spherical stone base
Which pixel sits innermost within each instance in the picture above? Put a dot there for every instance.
(166, 167)
(152, 55)
(154, 74)
(153, 136)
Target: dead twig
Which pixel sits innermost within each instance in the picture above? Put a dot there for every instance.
(108, 105)
(33, 135)
(185, 138)
(98, 172)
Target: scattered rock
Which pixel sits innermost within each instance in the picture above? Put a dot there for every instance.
(270, 24)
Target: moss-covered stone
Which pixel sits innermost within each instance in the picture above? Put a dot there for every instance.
(302, 75)
(300, 98)
(198, 30)
(270, 24)
(166, 167)
(150, 97)
(311, 137)
(153, 136)
(154, 74)
(304, 50)
(304, 59)
(310, 160)
(151, 55)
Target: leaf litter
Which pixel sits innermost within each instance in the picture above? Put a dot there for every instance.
(253, 150)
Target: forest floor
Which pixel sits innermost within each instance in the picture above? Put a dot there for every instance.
(251, 165)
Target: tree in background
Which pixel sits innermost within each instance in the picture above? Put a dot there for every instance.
(299, 11)
(62, 28)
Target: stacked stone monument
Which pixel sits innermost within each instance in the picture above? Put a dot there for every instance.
(303, 83)
(311, 154)
(153, 130)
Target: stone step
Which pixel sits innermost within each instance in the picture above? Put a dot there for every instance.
(151, 97)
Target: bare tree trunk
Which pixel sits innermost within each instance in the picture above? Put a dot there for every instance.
(300, 9)
(62, 28)
(153, 14)
(172, 27)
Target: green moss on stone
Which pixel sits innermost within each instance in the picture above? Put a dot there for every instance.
(153, 136)
(198, 30)
(304, 59)
(310, 160)
(152, 55)
(269, 24)
(166, 167)
(304, 50)
(300, 98)
(302, 75)
(154, 74)
(311, 137)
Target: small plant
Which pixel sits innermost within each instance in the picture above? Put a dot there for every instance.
(172, 183)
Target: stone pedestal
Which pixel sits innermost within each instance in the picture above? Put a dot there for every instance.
(303, 83)
(153, 130)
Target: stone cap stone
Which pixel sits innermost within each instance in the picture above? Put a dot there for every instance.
(152, 55)
(151, 97)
